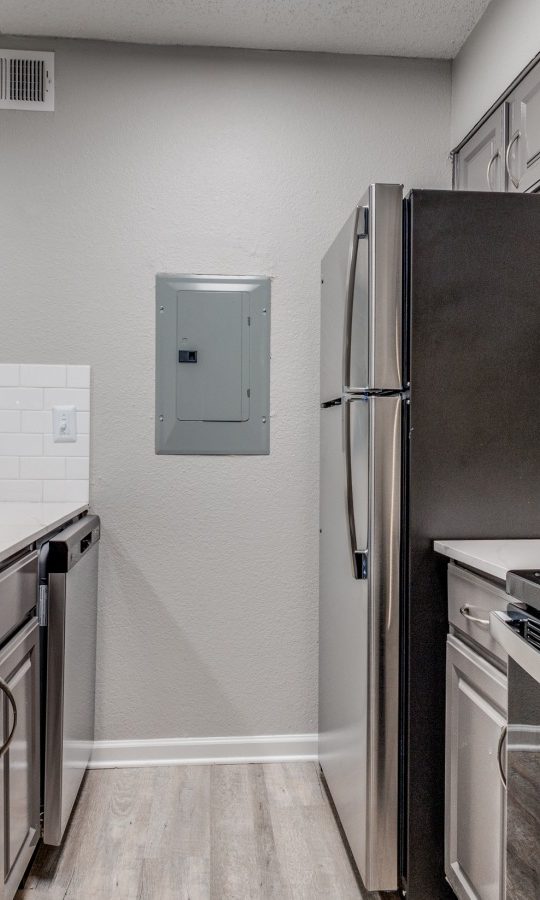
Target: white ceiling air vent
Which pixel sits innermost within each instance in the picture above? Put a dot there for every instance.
(26, 80)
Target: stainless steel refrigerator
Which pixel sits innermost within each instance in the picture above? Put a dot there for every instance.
(430, 366)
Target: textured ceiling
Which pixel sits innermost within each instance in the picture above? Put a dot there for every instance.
(434, 28)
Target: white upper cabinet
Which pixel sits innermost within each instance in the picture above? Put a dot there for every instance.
(503, 154)
(480, 163)
(523, 151)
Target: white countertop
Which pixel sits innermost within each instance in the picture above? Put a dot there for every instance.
(23, 523)
(495, 558)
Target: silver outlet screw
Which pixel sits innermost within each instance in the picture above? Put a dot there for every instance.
(161, 418)
(264, 311)
(264, 420)
(161, 308)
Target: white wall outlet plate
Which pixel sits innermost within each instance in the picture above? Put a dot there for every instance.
(64, 424)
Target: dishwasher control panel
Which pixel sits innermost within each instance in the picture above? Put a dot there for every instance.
(68, 547)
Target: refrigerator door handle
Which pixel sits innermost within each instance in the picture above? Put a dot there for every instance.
(360, 231)
(373, 307)
(359, 557)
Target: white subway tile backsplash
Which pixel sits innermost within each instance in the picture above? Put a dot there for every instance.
(77, 466)
(78, 376)
(33, 468)
(80, 447)
(43, 376)
(9, 375)
(36, 421)
(42, 467)
(79, 397)
(83, 422)
(20, 491)
(65, 491)
(21, 445)
(10, 420)
(9, 466)
(21, 398)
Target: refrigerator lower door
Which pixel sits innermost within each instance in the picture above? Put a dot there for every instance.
(361, 298)
(359, 627)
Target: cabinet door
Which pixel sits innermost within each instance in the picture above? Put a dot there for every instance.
(480, 162)
(476, 703)
(523, 156)
(19, 668)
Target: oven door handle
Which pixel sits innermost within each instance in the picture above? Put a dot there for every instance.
(517, 647)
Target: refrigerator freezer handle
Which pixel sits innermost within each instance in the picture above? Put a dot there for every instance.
(359, 557)
(360, 231)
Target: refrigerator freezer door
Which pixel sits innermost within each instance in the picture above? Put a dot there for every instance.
(337, 284)
(359, 628)
(361, 298)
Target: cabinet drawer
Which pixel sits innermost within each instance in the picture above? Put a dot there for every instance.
(471, 597)
(18, 592)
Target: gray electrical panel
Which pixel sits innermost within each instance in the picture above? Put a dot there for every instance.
(212, 364)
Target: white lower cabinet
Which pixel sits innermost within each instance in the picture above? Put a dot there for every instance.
(19, 767)
(475, 827)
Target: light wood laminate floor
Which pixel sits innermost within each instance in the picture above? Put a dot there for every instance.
(228, 832)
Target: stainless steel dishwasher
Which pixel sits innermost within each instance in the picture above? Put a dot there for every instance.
(70, 561)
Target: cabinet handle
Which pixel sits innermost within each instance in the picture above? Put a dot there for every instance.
(513, 140)
(464, 610)
(4, 687)
(500, 745)
(488, 170)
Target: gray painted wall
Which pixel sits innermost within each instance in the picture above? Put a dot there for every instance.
(171, 160)
(503, 42)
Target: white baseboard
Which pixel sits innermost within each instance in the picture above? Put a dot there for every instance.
(204, 751)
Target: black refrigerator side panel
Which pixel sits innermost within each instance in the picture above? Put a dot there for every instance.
(474, 446)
